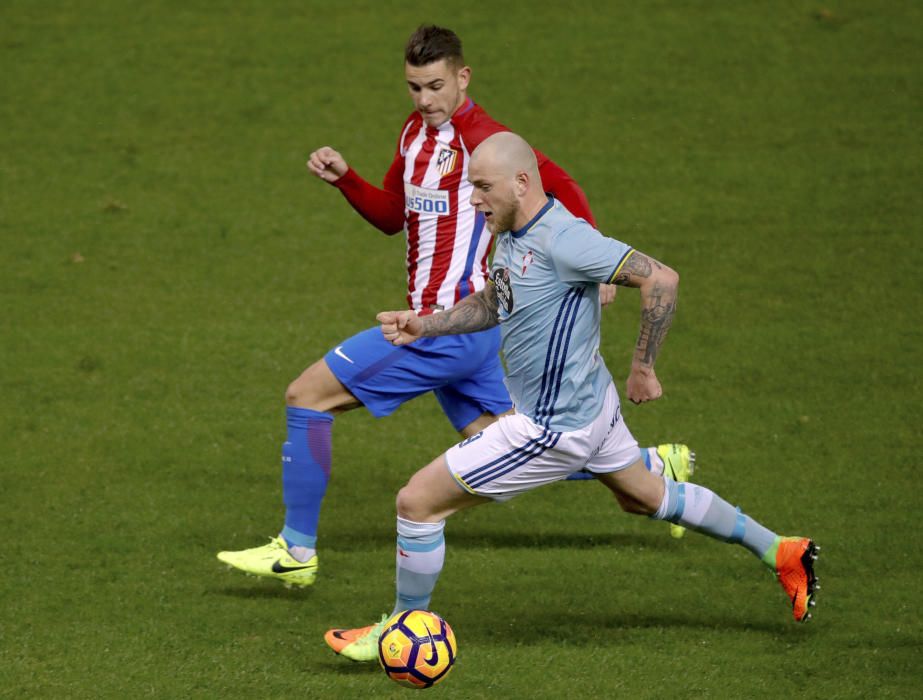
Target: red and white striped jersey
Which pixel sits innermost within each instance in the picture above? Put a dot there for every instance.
(447, 242)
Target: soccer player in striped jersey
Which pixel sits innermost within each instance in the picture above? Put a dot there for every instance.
(567, 413)
(426, 195)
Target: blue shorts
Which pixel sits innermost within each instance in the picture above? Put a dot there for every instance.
(463, 371)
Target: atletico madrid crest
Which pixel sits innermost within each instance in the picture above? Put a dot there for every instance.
(445, 161)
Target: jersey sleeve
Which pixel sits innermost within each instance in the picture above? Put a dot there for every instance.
(382, 207)
(582, 254)
(558, 183)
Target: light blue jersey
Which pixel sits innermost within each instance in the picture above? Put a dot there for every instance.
(547, 278)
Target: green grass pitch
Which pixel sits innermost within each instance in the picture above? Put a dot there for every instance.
(167, 266)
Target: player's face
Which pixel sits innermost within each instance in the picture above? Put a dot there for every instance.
(437, 89)
(494, 196)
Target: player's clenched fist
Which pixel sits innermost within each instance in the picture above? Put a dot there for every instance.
(400, 327)
(327, 164)
(643, 385)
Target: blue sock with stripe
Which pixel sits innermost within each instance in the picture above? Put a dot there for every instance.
(420, 555)
(305, 472)
(702, 510)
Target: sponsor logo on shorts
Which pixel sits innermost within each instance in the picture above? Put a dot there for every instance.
(468, 441)
(338, 351)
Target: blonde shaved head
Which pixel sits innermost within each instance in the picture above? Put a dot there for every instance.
(507, 184)
(508, 153)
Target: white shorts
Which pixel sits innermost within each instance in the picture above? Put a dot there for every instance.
(515, 455)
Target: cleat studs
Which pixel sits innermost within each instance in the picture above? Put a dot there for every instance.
(812, 603)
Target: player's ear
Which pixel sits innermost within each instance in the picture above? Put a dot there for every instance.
(522, 183)
(464, 77)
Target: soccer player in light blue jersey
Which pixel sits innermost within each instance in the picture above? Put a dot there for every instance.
(543, 294)
(426, 197)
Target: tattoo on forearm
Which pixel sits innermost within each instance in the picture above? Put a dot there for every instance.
(477, 312)
(656, 318)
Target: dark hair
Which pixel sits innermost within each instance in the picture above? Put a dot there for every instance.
(430, 43)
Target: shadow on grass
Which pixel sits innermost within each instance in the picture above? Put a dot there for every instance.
(265, 592)
(556, 540)
(618, 628)
(344, 667)
(501, 539)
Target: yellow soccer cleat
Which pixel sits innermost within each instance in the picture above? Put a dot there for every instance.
(359, 644)
(273, 560)
(678, 464)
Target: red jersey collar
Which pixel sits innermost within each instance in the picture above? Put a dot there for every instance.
(466, 106)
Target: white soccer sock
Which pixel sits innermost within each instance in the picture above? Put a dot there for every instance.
(420, 555)
(701, 509)
(302, 554)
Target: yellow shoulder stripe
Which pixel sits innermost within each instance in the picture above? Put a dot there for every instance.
(618, 268)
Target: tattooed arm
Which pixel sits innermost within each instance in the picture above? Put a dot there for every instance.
(477, 312)
(658, 285)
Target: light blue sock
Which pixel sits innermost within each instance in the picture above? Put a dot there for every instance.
(420, 555)
(305, 472)
(701, 509)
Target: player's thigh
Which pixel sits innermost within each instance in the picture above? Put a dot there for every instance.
(475, 393)
(432, 494)
(512, 456)
(611, 446)
(382, 376)
(319, 390)
(616, 461)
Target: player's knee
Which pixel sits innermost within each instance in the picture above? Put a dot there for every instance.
(296, 393)
(305, 391)
(411, 505)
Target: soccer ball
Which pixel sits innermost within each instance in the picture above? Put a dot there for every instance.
(417, 648)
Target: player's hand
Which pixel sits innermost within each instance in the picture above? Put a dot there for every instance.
(327, 164)
(643, 385)
(607, 294)
(400, 327)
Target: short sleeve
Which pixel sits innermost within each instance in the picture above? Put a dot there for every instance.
(580, 253)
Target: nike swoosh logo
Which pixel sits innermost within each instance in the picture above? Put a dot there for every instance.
(279, 568)
(433, 658)
(338, 351)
